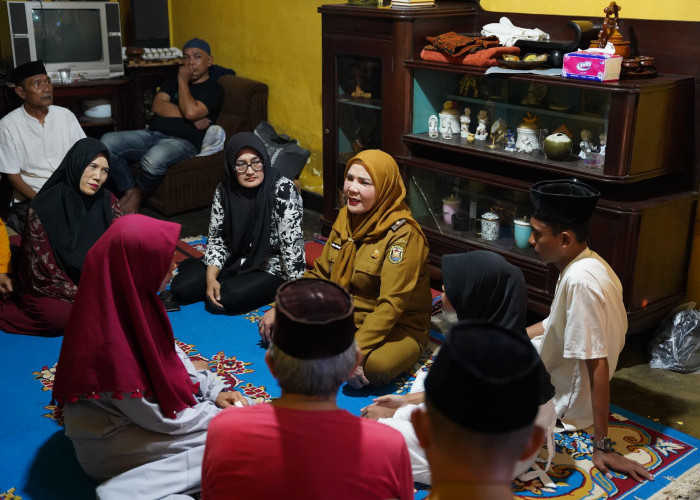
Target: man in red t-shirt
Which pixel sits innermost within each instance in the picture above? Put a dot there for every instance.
(302, 445)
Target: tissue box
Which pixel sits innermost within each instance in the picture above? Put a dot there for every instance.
(592, 66)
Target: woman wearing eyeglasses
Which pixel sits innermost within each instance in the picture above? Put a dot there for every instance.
(255, 238)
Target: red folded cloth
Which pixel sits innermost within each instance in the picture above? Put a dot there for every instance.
(483, 58)
(454, 44)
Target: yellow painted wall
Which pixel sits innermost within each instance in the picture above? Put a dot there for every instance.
(676, 10)
(279, 42)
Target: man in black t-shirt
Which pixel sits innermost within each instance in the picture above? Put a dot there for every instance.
(183, 109)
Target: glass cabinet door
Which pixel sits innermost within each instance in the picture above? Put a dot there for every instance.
(511, 118)
(358, 102)
(480, 214)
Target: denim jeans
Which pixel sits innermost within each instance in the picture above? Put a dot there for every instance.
(154, 151)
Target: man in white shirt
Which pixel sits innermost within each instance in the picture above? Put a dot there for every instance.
(581, 339)
(34, 138)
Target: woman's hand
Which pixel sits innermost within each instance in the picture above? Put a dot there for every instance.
(375, 412)
(213, 287)
(214, 293)
(266, 325)
(5, 285)
(394, 401)
(225, 399)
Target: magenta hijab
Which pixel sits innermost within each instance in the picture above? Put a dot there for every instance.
(118, 338)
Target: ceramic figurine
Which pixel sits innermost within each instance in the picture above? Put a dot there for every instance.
(445, 129)
(470, 137)
(433, 127)
(603, 141)
(464, 121)
(510, 142)
(481, 133)
(450, 117)
(467, 86)
(498, 130)
(585, 144)
(528, 134)
(526, 145)
(536, 92)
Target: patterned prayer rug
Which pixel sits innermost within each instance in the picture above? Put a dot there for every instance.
(666, 452)
(38, 461)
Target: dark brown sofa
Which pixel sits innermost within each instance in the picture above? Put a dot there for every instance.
(190, 184)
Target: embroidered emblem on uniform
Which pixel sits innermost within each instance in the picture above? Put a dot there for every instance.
(335, 245)
(396, 254)
(375, 253)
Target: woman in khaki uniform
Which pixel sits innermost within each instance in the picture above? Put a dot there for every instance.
(379, 253)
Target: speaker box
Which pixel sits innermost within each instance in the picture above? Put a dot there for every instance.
(114, 39)
(149, 20)
(20, 44)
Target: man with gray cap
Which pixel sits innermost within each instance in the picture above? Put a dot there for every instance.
(481, 399)
(581, 339)
(302, 445)
(183, 109)
(34, 138)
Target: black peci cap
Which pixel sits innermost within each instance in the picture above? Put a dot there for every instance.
(563, 200)
(486, 378)
(314, 319)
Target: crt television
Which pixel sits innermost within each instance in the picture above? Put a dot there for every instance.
(83, 36)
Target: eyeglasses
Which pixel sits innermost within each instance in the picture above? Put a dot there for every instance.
(242, 167)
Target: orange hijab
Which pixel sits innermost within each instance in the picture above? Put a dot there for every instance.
(389, 207)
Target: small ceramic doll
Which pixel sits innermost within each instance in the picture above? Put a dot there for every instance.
(481, 133)
(526, 145)
(585, 144)
(446, 129)
(464, 121)
(433, 127)
(510, 142)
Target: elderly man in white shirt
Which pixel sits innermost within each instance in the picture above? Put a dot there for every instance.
(34, 138)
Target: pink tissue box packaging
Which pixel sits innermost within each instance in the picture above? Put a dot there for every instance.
(592, 66)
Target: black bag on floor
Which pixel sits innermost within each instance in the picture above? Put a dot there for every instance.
(285, 153)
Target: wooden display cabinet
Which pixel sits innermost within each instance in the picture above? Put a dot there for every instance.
(644, 219)
(643, 122)
(364, 49)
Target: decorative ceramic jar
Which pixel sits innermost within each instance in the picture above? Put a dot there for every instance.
(450, 119)
(450, 205)
(557, 146)
(528, 139)
(490, 226)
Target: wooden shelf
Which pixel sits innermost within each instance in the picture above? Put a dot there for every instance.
(643, 223)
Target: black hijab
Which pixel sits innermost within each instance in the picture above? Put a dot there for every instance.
(73, 221)
(247, 211)
(482, 285)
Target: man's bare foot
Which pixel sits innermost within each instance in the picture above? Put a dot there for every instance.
(131, 200)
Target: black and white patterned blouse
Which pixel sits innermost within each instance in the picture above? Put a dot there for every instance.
(286, 237)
